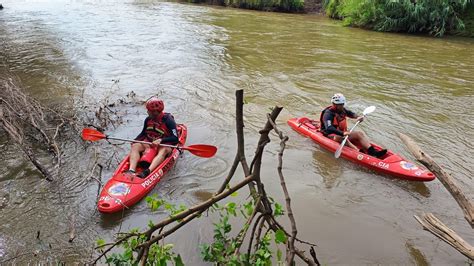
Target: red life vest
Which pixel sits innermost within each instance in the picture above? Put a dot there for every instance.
(156, 128)
(339, 121)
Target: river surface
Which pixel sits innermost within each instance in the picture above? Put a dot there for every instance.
(195, 57)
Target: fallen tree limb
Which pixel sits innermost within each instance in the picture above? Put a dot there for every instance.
(436, 227)
(446, 179)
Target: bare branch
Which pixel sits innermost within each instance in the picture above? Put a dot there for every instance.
(436, 227)
(445, 178)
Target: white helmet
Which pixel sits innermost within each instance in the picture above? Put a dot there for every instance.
(338, 98)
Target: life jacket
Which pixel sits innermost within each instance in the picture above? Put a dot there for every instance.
(156, 128)
(339, 121)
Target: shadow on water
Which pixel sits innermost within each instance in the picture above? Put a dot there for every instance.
(202, 195)
(327, 166)
(418, 188)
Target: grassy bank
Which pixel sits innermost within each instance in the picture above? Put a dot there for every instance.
(265, 5)
(434, 17)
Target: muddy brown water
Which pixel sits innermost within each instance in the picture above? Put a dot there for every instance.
(195, 57)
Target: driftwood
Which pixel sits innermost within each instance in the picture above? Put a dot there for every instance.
(24, 120)
(446, 179)
(435, 226)
(261, 219)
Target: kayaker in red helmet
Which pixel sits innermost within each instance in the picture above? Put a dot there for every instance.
(334, 125)
(159, 127)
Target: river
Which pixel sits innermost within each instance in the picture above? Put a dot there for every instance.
(195, 57)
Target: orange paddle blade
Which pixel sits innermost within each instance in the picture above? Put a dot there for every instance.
(201, 150)
(92, 134)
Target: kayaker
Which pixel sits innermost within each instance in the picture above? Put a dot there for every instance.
(159, 127)
(334, 126)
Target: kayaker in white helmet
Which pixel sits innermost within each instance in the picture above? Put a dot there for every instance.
(159, 127)
(334, 126)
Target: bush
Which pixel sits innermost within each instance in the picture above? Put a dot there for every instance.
(435, 17)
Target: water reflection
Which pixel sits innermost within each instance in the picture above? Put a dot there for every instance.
(417, 257)
(327, 166)
(202, 195)
(416, 188)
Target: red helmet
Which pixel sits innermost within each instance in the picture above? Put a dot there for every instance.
(155, 104)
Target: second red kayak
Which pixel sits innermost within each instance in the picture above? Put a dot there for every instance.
(124, 190)
(391, 163)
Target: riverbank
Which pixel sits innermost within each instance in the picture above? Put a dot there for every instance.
(434, 19)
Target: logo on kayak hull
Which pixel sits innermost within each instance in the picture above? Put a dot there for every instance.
(408, 165)
(119, 189)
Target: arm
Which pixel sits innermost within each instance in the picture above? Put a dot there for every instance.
(171, 125)
(142, 134)
(354, 115)
(328, 127)
(351, 114)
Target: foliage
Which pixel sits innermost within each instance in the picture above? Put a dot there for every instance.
(269, 5)
(223, 249)
(468, 19)
(435, 17)
(157, 254)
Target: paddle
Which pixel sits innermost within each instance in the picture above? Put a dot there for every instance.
(367, 111)
(201, 150)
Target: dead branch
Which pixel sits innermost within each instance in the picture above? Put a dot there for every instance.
(200, 207)
(436, 227)
(291, 243)
(449, 183)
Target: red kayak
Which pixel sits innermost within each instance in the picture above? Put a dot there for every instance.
(124, 190)
(391, 163)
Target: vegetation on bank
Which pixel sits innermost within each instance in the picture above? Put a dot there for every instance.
(468, 19)
(434, 17)
(265, 5)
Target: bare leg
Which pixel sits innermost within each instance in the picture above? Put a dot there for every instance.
(361, 138)
(348, 142)
(137, 148)
(162, 153)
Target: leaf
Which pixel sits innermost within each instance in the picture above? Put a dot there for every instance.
(249, 208)
(278, 209)
(280, 236)
(178, 261)
(100, 242)
(231, 208)
(235, 194)
(279, 256)
(150, 223)
(128, 254)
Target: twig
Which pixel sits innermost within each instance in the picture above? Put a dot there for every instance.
(291, 243)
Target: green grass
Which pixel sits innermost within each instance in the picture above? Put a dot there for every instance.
(434, 17)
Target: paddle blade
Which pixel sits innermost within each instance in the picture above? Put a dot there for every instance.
(368, 110)
(92, 134)
(201, 150)
(339, 150)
